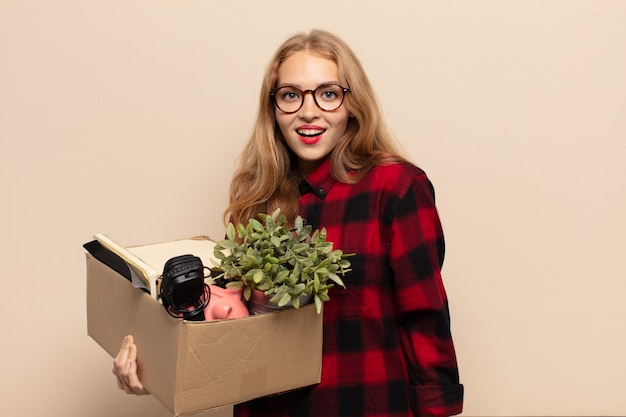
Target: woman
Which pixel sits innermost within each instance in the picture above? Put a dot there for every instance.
(320, 149)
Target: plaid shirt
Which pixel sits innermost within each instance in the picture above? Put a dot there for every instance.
(387, 344)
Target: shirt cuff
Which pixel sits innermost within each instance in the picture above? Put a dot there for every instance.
(439, 400)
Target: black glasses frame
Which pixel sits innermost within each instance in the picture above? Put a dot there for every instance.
(274, 91)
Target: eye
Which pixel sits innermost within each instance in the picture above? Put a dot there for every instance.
(328, 93)
(289, 94)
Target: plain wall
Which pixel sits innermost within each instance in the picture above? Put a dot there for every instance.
(127, 117)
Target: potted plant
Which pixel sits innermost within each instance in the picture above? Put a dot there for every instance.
(285, 264)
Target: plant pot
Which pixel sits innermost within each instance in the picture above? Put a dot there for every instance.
(260, 303)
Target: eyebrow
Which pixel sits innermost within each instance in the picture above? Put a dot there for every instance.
(300, 88)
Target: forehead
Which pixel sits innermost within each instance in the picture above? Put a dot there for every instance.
(307, 69)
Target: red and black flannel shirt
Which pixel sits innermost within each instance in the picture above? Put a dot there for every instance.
(387, 344)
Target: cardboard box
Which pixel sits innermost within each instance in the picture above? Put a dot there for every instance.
(191, 367)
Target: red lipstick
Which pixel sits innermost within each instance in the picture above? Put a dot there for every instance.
(310, 134)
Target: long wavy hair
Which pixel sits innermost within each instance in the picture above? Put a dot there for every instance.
(267, 176)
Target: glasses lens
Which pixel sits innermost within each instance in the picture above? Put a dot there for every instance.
(329, 97)
(288, 99)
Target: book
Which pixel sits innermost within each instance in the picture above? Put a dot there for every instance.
(143, 275)
(145, 263)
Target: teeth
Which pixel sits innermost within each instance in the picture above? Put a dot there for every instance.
(310, 132)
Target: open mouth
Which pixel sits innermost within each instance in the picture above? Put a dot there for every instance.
(310, 133)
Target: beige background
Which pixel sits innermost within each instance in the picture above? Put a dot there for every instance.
(126, 117)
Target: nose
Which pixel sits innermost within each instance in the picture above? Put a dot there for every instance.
(309, 109)
(222, 311)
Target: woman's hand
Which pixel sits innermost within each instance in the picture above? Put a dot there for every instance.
(125, 368)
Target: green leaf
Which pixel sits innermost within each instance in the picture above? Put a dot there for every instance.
(323, 296)
(270, 224)
(281, 276)
(323, 272)
(308, 263)
(277, 296)
(323, 264)
(275, 241)
(251, 261)
(258, 277)
(256, 225)
(226, 244)
(275, 214)
(247, 292)
(316, 283)
(318, 304)
(344, 263)
(271, 259)
(299, 223)
(230, 231)
(297, 289)
(336, 278)
(265, 285)
(326, 247)
(284, 300)
(299, 247)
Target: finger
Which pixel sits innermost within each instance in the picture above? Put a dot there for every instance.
(122, 356)
(132, 352)
(121, 364)
(131, 382)
(124, 377)
(133, 379)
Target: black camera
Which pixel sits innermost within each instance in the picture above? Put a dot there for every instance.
(183, 290)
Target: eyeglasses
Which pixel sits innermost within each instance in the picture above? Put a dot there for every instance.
(328, 97)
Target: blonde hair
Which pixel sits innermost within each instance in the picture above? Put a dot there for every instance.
(267, 177)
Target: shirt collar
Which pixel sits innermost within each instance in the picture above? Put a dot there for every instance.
(319, 181)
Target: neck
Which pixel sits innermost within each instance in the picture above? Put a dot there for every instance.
(306, 167)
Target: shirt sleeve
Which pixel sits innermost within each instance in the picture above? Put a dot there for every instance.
(416, 256)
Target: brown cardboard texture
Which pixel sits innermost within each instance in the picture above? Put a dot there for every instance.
(195, 366)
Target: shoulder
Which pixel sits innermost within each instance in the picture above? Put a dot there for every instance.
(397, 177)
(401, 184)
(398, 169)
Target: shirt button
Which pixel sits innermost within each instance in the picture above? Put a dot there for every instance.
(321, 191)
